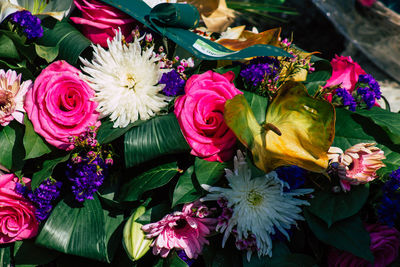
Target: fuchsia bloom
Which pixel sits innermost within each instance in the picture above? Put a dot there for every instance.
(100, 21)
(345, 73)
(12, 95)
(385, 243)
(367, 3)
(200, 113)
(184, 230)
(358, 164)
(17, 214)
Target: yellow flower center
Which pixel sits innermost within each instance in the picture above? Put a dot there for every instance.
(254, 198)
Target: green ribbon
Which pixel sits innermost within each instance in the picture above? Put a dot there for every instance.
(173, 22)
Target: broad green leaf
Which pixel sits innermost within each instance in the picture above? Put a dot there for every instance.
(306, 126)
(209, 172)
(70, 41)
(389, 121)
(352, 129)
(348, 234)
(49, 53)
(173, 260)
(47, 169)
(27, 252)
(5, 256)
(258, 105)
(187, 188)
(108, 133)
(34, 144)
(148, 180)
(7, 48)
(332, 207)
(216, 256)
(82, 230)
(154, 214)
(12, 151)
(157, 137)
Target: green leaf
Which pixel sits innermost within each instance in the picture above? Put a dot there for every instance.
(258, 105)
(148, 180)
(12, 151)
(174, 261)
(154, 214)
(332, 207)
(209, 172)
(157, 137)
(389, 121)
(70, 41)
(47, 169)
(185, 190)
(34, 144)
(5, 256)
(27, 252)
(323, 71)
(82, 230)
(49, 53)
(352, 129)
(7, 48)
(348, 234)
(108, 133)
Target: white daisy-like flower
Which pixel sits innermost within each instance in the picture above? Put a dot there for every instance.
(258, 205)
(125, 79)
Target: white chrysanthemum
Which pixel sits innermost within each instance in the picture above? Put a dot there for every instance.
(258, 205)
(125, 79)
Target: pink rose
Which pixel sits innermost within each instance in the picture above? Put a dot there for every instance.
(200, 114)
(99, 21)
(59, 104)
(385, 243)
(345, 72)
(17, 215)
(367, 3)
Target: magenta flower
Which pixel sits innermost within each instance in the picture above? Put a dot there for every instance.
(385, 243)
(184, 230)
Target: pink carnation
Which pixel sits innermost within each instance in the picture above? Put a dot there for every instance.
(184, 230)
(385, 243)
(17, 215)
(60, 105)
(367, 3)
(100, 21)
(345, 73)
(200, 114)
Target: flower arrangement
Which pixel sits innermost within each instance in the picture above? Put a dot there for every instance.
(129, 139)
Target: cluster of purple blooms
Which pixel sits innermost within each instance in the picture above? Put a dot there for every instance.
(42, 197)
(260, 70)
(368, 90)
(389, 210)
(174, 84)
(87, 168)
(30, 24)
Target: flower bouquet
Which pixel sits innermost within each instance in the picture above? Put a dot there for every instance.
(130, 136)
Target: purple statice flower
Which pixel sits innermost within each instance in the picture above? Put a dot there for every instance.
(370, 91)
(30, 24)
(293, 175)
(347, 99)
(86, 176)
(389, 209)
(247, 244)
(185, 258)
(259, 70)
(42, 197)
(174, 84)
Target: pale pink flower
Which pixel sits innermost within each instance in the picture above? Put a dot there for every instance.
(184, 230)
(12, 94)
(358, 164)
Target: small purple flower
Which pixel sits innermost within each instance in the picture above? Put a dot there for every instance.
(174, 84)
(389, 210)
(259, 70)
(347, 99)
(185, 258)
(370, 89)
(30, 24)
